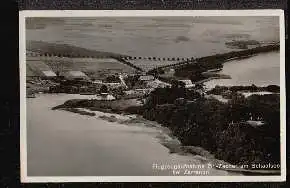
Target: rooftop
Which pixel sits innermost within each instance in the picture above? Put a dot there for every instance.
(49, 73)
(187, 82)
(75, 74)
(146, 77)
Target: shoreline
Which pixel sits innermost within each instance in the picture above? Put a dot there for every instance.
(95, 144)
(169, 141)
(224, 57)
(212, 78)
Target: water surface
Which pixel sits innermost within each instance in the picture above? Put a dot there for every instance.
(261, 70)
(61, 143)
(155, 36)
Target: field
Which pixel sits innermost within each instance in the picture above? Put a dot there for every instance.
(35, 66)
(59, 59)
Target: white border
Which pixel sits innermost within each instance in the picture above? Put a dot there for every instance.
(147, 13)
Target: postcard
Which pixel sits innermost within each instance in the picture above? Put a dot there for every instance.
(152, 96)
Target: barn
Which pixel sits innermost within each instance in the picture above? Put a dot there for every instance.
(72, 75)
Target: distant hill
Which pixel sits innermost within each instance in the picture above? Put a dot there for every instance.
(65, 50)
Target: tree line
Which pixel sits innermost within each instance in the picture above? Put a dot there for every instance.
(221, 128)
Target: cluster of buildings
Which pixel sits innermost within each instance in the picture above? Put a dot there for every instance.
(40, 68)
(49, 74)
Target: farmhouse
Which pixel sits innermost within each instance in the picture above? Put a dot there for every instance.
(48, 74)
(157, 84)
(169, 71)
(188, 83)
(71, 75)
(105, 97)
(146, 78)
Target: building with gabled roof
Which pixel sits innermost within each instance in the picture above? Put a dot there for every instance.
(48, 73)
(188, 83)
(75, 75)
(146, 78)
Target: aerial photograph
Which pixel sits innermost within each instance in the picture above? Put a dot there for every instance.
(153, 96)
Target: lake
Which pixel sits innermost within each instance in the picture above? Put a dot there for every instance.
(261, 70)
(61, 143)
(155, 36)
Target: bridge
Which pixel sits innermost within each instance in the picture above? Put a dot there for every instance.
(149, 64)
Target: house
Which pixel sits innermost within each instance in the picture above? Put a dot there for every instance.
(138, 92)
(146, 78)
(71, 75)
(188, 83)
(113, 85)
(105, 97)
(157, 84)
(143, 91)
(255, 123)
(97, 82)
(48, 74)
(130, 92)
(169, 71)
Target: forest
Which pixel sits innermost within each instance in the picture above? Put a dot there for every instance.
(218, 127)
(217, 90)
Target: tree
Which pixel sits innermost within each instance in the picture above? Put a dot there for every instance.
(273, 88)
(104, 89)
(177, 84)
(113, 79)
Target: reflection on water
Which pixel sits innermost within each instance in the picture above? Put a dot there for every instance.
(261, 70)
(61, 143)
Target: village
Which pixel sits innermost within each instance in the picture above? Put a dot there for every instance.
(46, 74)
(109, 76)
(111, 84)
(118, 79)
